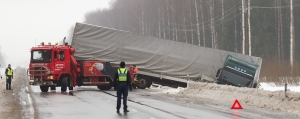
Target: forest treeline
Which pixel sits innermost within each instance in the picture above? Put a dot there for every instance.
(212, 23)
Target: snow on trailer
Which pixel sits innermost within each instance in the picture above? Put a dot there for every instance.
(157, 59)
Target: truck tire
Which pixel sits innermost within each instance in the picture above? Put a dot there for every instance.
(44, 88)
(64, 84)
(142, 83)
(53, 88)
(105, 87)
(255, 85)
(149, 82)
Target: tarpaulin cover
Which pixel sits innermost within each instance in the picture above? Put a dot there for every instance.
(149, 53)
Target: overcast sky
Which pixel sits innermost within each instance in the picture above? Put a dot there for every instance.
(23, 21)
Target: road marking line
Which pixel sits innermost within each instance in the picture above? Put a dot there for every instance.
(92, 94)
(31, 110)
(99, 97)
(152, 118)
(134, 110)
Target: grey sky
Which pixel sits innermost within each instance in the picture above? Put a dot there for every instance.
(23, 21)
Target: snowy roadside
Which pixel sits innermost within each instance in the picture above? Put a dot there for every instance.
(271, 86)
(14, 103)
(265, 99)
(10, 108)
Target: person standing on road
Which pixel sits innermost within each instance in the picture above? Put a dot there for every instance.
(9, 77)
(135, 73)
(122, 81)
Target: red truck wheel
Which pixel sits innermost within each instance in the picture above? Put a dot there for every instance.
(105, 87)
(44, 88)
(64, 83)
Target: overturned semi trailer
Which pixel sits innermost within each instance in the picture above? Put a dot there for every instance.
(157, 59)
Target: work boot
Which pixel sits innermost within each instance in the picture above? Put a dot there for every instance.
(118, 111)
(125, 111)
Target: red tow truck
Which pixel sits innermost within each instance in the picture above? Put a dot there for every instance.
(54, 66)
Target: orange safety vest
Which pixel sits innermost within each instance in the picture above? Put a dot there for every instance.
(135, 70)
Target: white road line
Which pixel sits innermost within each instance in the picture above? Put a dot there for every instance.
(92, 94)
(31, 110)
(152, 118)
(99, 97)
(134, 110)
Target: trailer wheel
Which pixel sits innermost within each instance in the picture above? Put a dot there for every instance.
(255, 85)
(52, 87)
(44, 88)
(64, 83)
(142, 83)
(149, 82)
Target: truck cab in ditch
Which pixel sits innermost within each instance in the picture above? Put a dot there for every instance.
(237, 72)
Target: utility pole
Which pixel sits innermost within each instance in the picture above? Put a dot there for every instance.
(246, 31)
(246, 27)
(243, 26)
(249, 28)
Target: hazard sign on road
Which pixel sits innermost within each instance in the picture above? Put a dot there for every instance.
(236, 105)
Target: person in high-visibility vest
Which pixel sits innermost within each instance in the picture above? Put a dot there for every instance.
(9, 77)
(135, 73)
(122, 81)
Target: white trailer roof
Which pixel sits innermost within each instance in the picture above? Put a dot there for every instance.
(157, 55)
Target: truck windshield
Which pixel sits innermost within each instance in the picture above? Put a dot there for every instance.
(41, 56)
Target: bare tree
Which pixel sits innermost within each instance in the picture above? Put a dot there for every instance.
(202, 19)
(191, 22)
(159, 32)
(213, 43)
(185, 37)
(281, 34)
(235, 31)
(163, 21)
(198, 29)
(249, 29)
(143, 24)
(243, 24)
(168, 19)
(292, 40)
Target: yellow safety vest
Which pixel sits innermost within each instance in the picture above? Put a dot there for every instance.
(9, 72)
(122, 74)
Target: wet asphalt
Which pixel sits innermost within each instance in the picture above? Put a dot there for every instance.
(91, 103)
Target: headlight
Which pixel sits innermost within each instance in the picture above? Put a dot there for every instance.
(50, 77)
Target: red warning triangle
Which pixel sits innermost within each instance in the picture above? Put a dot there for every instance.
(236, 105)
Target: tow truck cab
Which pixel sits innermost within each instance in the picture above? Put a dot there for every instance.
(55, 66)
(48, 63)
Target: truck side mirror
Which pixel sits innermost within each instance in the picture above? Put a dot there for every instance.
(218, 72)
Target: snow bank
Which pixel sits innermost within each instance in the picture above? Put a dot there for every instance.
(156, 88)
(274, 100)
(270, 86)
